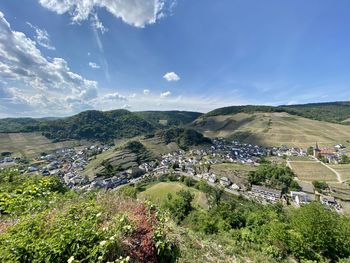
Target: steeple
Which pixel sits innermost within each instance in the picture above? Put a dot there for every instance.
(316, 146)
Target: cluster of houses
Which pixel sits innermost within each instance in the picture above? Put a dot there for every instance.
(330, 154)
(70, 163)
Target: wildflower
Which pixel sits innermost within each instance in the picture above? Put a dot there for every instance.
(70, 260)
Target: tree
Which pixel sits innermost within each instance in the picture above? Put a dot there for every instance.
(345, 159)
(181, 205)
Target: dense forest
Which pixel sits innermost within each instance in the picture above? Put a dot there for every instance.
(336, 112)
(185, 138)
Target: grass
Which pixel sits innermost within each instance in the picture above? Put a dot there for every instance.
(30, 144)
(343, 169)
(274, 129)
(310, 171)
(158, 193)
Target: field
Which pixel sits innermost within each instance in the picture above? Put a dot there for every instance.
(158, 193)
(232, 170)
(310, 171)
(273, 129)
(29, 144)
(343, 170)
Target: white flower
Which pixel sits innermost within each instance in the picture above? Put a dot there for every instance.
(99, 258)
(102, 243)
(70, 260)
(99, 214)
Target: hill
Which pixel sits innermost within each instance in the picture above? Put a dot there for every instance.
(272, 129)
(99, 125)
(142, 149)
(168, 118)
(336, 112)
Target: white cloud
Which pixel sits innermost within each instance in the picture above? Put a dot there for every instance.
(36, 85)
(137, 13)
(114, 96)
(165, 94)
(146, 91)
(94, 65)
(171, 76)
(132, 95)
(97, 24)
(42, 37)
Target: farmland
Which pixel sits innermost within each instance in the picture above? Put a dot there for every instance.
(311, 170)
(343, 170)
(29, 144)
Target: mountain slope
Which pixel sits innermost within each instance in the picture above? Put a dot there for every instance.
(272, 129)
(336, 112)
(99, 125)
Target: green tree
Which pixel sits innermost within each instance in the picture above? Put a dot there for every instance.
(180, 205)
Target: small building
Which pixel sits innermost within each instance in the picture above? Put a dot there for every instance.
(300, 198)
(266, 192)
(224, 181)
(328, 200)
(212, 178)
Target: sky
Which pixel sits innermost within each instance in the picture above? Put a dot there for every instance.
(61, 57)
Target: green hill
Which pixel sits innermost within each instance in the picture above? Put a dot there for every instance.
(99, 125)
(272, 129)
(336, 112)
(168, 118)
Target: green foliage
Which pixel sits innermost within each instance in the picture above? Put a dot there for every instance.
(275, 176)
(180, 205)
(310, 150)
(128, 192)
(183, 137)
(345, 159)
(173, 118)
(318, 233)
(320, 185)
(21, 194)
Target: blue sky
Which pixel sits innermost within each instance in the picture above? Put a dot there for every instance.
(59, 57)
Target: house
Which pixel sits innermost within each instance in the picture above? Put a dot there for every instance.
(300, 198)
(224, 181)
(212, 178)
(266, 193)
(328, 200)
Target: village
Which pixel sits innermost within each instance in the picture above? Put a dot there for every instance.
(70, 163)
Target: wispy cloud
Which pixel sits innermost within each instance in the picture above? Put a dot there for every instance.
(42, 37)
(165, 94)
(94, 65)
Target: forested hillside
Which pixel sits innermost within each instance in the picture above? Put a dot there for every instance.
(99, 125)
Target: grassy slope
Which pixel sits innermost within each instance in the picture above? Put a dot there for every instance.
(158, 193)
(310, 171)
(273, 129)
(29, 144)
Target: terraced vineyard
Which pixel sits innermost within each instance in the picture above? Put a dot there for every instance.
(273, 129)
(30, 144)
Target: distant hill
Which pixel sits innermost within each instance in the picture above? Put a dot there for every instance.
(272, 129)
(99, 125)
(336, 112)
(168, 118)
